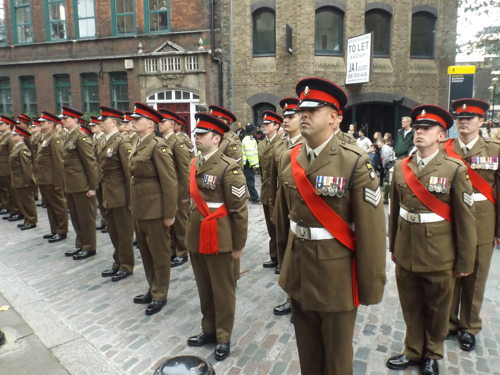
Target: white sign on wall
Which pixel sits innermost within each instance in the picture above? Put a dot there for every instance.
(359, 59)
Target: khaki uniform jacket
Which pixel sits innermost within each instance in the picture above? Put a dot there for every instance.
(98, 145)
(317, 273)
(21, 166)
(437, 246)
(182, 159)
(80, 167)
(114, 160)
(49, 165)
(486, 213)
(231, 146)
(36, 139)
(346, 137)
(153, 181)
(266, 157)
(5, 147)
(230, 188)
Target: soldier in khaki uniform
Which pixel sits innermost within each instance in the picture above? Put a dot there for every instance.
(153, 195)
(24, 121)
(432, 238)
(481, 157)
(217, 232)
(98, 142)
(330, 230)
(9, 203)
(270, 125)
(80, 183)
(230, 144)
(182, 158)
(115, 184)
(49, 174)
(22, 178)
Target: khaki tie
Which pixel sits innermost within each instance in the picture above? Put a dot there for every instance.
(421, 165)
(465, 150)
(311, 156)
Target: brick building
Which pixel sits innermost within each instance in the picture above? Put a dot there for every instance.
(414, 43)
(87, 53)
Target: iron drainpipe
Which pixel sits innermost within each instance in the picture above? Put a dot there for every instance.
(215, 59)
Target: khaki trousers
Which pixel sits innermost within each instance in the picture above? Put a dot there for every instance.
(82, 211)
(154, 243)
(469, 293)
(425, 300)
(121, 232)
(27, 204)
(324, 340)
(102, 210)
(271, 230)
(178, 230)
(217, 292)
(56, 208)
(11, 203)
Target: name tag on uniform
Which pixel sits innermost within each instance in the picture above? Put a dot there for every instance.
(209, 181)
(484, 162)
(109, 152)
(330, 186)
(439, 184)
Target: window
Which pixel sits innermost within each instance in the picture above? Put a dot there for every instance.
(55, 13)
(5, 98)
(62, 90)
(84, 18)
(28, 95)
(119, 91)
(264, 32)
(192, 63)
(329, 31)
(423, 27)
(90, 93)
(21, 17)
(3, 31)
(123, 16)
(258, 109)
(378, 21)
(156, 15)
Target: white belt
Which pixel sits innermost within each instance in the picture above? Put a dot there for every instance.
(479, 197)
(214, 204)
(428, 217)
(310, 233)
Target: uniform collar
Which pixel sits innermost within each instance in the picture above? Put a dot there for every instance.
(208, 156)
(108, 136)
(318, 149)
(427, 159)
(294, 139)
(167, 136)
(468, 145)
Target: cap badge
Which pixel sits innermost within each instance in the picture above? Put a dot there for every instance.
(423, 113)
(306, 91)
(464, 106)
(197, 121)
(286, 105)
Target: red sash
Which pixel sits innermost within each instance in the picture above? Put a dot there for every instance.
(328, 218)
(209, 241)
(477, 181)
(433, 203)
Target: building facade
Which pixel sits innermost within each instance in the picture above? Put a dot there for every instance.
(87, 53)
(272, 44)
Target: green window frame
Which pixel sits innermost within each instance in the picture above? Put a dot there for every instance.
(55, 20)
(123, 17)
(90, 93)
(3, 29)
(62, 90)
(5, 96)
(28, 95)
(119, 90)
(22, 29)
(157, 16)
(84, 19)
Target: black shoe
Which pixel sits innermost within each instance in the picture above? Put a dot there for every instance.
(70, 253)
(2, 338)
(467, 341)
(430, 367)
(143, 298)
(202, 339)
(20, 225)
(6, 217)
(272, 263)
(120, 275)
(84, 254)
(104, 230)
(277, 270)
(178, 261)
(4, 211)
(48, 236)
(16, 217)
(222, 351)
(453, 333)
(108, 273)
(39, 204)
(26, 227)
(100, 227)
(57, 237)
(400, 362)
(283, 309)
(256, 201)
(154, 307)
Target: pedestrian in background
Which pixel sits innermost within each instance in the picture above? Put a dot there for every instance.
(250, 161)
(363, 141)
(404, 138)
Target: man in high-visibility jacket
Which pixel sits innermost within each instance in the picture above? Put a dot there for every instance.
(250, 159)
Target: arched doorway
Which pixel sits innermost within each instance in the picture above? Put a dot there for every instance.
(182, 102)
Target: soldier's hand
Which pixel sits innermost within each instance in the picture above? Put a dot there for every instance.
(236, 254)
(461, 274)
(90, 193)
(168, 221)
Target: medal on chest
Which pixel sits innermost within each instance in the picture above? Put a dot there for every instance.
(71, 146)
(209, 182)
(484, 162)
(330, 186)
(438, 184)
(109, 152)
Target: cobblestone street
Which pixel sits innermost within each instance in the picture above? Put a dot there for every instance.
(90, 325)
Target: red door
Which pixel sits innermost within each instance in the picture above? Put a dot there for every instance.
(182, 109)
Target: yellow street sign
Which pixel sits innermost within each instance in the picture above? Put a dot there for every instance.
(462, 69)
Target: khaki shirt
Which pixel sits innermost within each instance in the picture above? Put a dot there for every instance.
(21, 166)
(80, 167)
(49, 165)
(266, 157)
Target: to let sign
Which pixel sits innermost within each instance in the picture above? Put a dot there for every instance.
(359, 59)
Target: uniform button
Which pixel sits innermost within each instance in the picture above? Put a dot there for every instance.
(286, 183)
